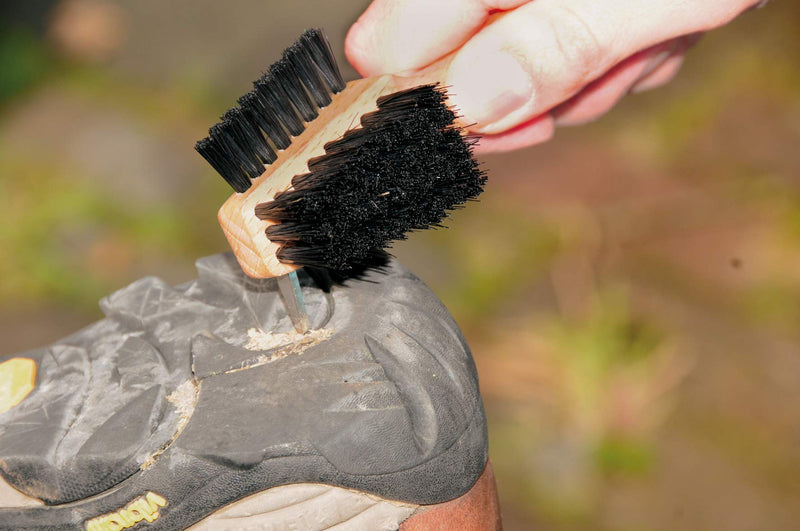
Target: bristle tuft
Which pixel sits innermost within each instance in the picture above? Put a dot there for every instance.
(303, 66)
(249, 139)
(222, 162)
(275, 97)
(320, 51)
(281, 102)
(402, 170)
(261, 116)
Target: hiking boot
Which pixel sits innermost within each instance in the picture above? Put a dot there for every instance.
(199, 407)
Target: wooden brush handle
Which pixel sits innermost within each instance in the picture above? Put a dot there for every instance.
(245, 232)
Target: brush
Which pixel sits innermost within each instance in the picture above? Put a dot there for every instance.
(328, 174)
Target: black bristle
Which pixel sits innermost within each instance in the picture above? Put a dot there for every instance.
(227, 135)
(221, 161)
(249, 137)
(274, 97)
(320, 52)
(289, 94)
(285, 74)
(299, 56)
(265, 119)
(402, 170)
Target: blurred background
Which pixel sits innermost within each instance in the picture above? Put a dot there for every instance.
(630, 290)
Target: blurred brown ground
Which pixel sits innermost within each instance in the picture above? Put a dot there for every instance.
(630, 289)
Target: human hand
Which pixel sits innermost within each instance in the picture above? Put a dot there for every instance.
(540, 63)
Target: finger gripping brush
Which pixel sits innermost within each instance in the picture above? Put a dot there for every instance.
(328, 174)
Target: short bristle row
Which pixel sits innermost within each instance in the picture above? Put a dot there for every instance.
(286, 97)
(402, 170)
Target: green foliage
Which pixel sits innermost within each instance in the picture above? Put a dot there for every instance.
(53, 223)
(22, 61)
(610, 336)
(487, 253)
(625, 455)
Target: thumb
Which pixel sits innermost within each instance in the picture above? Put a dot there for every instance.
(544, 52)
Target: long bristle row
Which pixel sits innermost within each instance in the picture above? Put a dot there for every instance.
(402, 170)
(282, 101)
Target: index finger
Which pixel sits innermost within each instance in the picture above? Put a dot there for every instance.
(394, 36)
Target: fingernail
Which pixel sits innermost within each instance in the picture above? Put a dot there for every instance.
(486, 87)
